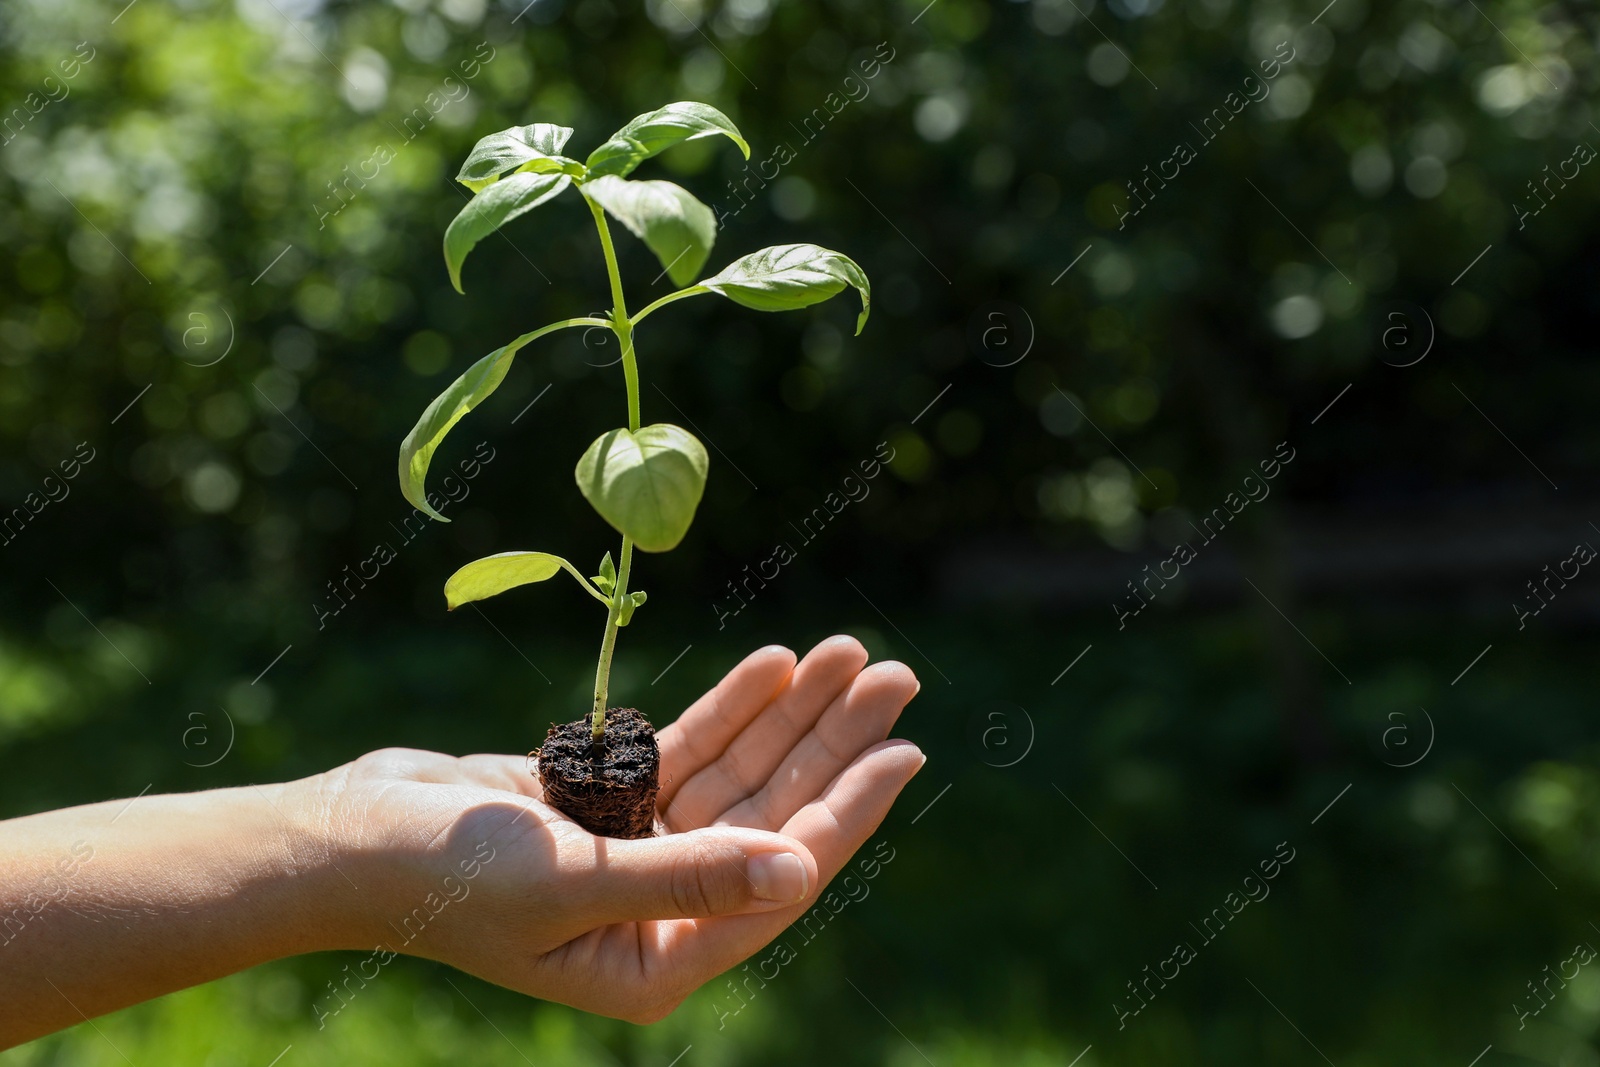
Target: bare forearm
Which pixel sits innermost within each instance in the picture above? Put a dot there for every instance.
(109, 904)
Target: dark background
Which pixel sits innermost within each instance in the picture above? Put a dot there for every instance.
(1347, 268)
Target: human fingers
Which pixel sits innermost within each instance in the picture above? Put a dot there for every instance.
(703, 732)
(694, 875)
(751, 757)
(832, 827)
(858, 718)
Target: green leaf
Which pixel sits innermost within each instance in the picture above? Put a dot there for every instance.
(534, 149)
(678, 228)
(464, 394)
(646, 484)
(785, 277)
(493, 208)
(633, 600)
(493, 575)
(658, 130)
(606, 580)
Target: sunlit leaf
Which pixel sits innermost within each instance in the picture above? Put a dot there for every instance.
(785, 277)
(493, 575)
(658, 130)
(606, 580)
(491, 209)
(629, 604)
(647, 483)
(678, 228)
(534, 149)
(464, 394)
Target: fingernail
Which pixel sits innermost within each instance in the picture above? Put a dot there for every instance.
(779, 876)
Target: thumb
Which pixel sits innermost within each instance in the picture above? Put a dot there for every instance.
(722, 870)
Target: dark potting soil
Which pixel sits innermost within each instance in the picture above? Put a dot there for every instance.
(609, 790)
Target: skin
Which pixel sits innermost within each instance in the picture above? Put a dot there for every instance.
(457, 860)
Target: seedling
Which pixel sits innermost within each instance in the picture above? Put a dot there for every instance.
(646, 481)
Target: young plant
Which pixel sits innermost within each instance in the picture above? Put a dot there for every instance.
(646, 481)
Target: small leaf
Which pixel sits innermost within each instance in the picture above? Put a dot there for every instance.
(678, 228)
(646, 484)
(658, 130)
(493, 575)
(606, 580)
(534, 149)
(493, 208)
(464, 394)
(785, 277)
(632, 601)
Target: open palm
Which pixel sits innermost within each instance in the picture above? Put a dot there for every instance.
(779, 758)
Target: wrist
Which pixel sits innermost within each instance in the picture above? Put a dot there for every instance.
(340, 875)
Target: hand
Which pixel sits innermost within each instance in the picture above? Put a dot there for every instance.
(770, 782)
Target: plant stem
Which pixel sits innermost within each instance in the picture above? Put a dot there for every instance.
(562, 325)
(693, 290)
(619, 315)
(608, 645)
(630, 369)
(623, 328)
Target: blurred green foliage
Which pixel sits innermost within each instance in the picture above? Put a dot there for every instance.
(212, 280)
